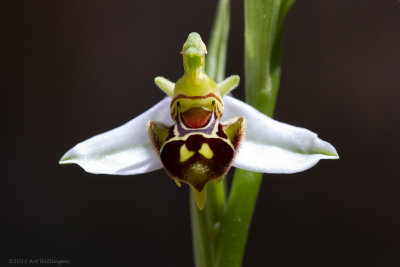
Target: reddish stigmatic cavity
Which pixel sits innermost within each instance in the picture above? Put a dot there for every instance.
(196, 117)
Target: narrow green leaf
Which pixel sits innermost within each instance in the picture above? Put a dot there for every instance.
(263, 51)
(261, 22)
(217, 47)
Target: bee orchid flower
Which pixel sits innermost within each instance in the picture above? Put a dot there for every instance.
(198, 132)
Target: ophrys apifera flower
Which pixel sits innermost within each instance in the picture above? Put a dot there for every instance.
(198, 132)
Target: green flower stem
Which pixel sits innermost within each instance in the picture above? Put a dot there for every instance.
(200, 235)
(263, 49)
(220, 230)
(206, 223)
(237, 219)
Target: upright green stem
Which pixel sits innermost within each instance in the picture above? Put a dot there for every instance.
(263, 47)
(200, 235)
(237, 219)
(220, 230)
(206, 223)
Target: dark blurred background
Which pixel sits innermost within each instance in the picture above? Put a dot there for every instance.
(78, 68)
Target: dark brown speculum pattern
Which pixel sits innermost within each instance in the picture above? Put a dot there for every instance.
(197, 170)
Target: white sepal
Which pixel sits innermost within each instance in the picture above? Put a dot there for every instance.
(270, 146)
(125, 150)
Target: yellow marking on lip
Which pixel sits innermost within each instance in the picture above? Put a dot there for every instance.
(185, 154)
(206, 151)
(178, 183)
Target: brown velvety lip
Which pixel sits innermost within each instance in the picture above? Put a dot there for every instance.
(196, 117)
